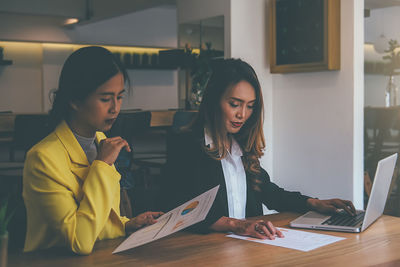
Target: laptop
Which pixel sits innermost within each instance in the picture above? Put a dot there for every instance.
(346, 223)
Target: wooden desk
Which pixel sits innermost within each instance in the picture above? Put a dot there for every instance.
(379, 244)
(162, 118)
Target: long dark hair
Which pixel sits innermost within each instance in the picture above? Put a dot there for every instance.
(83, 72)
(225, 74)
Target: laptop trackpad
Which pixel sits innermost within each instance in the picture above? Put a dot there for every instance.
(311, 217)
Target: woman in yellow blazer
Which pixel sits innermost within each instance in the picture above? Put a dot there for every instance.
(70, 185)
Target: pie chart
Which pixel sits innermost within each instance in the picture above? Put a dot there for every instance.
(190, 207)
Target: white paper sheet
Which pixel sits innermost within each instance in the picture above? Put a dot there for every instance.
(177, 219)
(295, 239)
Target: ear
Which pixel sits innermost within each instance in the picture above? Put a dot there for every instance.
(74, 106)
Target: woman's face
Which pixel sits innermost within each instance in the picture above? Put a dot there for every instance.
(100, 110)
(237, 105)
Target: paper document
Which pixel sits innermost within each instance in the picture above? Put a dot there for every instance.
(296, 239)
(181, 217)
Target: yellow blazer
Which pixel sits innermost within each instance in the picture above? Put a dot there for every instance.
(69, 202)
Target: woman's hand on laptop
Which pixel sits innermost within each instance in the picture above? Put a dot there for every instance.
(334, 205)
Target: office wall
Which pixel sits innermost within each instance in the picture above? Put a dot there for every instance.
(318, 121)
(194, 10)
(249, 41)
(20, 83)
(153, 27)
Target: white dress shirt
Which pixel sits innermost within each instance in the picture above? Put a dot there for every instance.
(235, 179)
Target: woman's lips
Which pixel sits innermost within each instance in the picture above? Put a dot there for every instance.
(236, 124)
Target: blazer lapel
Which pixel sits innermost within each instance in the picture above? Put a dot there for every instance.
(217, 174)
(79, 163)
(253, 206)
(67, 138)
(212, 171)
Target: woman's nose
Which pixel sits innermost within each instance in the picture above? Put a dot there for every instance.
(115, 106)
(241, 113)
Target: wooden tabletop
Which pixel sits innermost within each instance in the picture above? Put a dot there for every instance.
(378, 245)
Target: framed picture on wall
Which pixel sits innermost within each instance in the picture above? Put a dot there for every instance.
(304, 35)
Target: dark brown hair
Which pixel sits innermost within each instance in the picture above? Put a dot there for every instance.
(83, 72)
(225, 74)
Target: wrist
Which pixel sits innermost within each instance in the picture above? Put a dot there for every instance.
(225, 224)
(311, 203)
(105, 161)
(130, 226)
(232, 224)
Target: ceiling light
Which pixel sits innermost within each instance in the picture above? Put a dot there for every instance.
(71, 21)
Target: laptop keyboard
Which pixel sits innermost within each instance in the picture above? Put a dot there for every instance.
(345, 219)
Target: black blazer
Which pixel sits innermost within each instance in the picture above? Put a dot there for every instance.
(191, 172)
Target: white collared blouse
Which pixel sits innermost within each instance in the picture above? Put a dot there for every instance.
(235, 178)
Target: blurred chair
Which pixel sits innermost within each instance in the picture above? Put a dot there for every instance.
(381, 134)
(381, 139)
(182, 118)
(123, 164)
(29, 129)
(11, 189)
(156, 158)
(133, 127)
(130, 124)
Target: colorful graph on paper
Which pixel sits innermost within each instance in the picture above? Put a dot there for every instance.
(190, 207)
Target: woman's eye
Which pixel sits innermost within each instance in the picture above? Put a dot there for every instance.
(120, 97)
(251, 107)
(233, 105)
(104, 99)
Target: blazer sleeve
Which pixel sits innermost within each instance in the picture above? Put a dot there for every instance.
(189, 173)
(277, 198)
(216, 212)
(78, 221)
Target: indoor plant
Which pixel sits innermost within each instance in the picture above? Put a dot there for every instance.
(391, 92)
(200, 72)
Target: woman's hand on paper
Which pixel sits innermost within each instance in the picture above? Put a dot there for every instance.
(259, 228)
(254, 228)
(146, 218)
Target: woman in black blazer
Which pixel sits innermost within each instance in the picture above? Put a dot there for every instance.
(223, 147)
